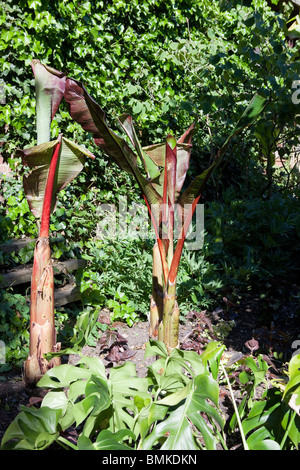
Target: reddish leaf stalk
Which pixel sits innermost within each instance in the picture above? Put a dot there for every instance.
(164, 311)
(45, 219)
(170, 169)
(180, 243)
(156, 304)
(160, 245)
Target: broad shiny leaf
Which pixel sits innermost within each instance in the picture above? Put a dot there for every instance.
(49, 89)
(176, 430)
(106, 440)
(32, 429)
(84, 109)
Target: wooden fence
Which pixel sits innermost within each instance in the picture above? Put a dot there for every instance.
(22, 274)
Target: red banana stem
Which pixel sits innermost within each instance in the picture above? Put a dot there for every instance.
(45, 219)
(180, 243)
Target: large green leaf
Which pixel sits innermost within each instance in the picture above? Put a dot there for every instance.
(206, 388)
(125, 385)
(293, 385)
(212, 356)
(84, 109)
(38, 159)
(94, 365)
(62, 376)
(106, 440)
(97, 399)
(124, 380)
(149, 412)
(206, 391)
(32, 429)
(49, 89)
(175, 430)
(167, 373)
(189, 403)
(156, 348)
(263, 424)
(262, 440)
(250, 115)
(57, 400)
(87, 396)
(176, 397)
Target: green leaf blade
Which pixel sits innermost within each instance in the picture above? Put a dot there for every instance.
(49, 88)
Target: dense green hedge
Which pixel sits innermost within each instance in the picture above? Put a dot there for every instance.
(116, 48)
(166, 62)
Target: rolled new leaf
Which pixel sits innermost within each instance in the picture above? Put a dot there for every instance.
(157, 153)
(150, 167)
(49, 89)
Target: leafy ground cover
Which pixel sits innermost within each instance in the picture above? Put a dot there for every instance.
(247, 335)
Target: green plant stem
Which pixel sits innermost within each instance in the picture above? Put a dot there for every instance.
(63, 442)
(221, 437)
(287, 431)
(236, 410)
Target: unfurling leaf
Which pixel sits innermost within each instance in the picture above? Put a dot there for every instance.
(49, 89)
(38, 159)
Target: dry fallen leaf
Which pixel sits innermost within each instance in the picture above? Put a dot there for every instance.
(252, 344)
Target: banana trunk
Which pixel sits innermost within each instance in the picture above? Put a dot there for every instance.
(42, 326)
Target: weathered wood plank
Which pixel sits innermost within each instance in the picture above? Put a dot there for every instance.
(14, 245)
(65, 295)
(22, 274)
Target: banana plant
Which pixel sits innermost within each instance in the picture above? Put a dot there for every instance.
(160, 171)
(52, 165)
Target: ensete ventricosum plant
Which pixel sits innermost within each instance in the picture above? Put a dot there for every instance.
(160, 171)
(52, 164)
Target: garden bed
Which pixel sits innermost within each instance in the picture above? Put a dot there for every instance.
(275, 342)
